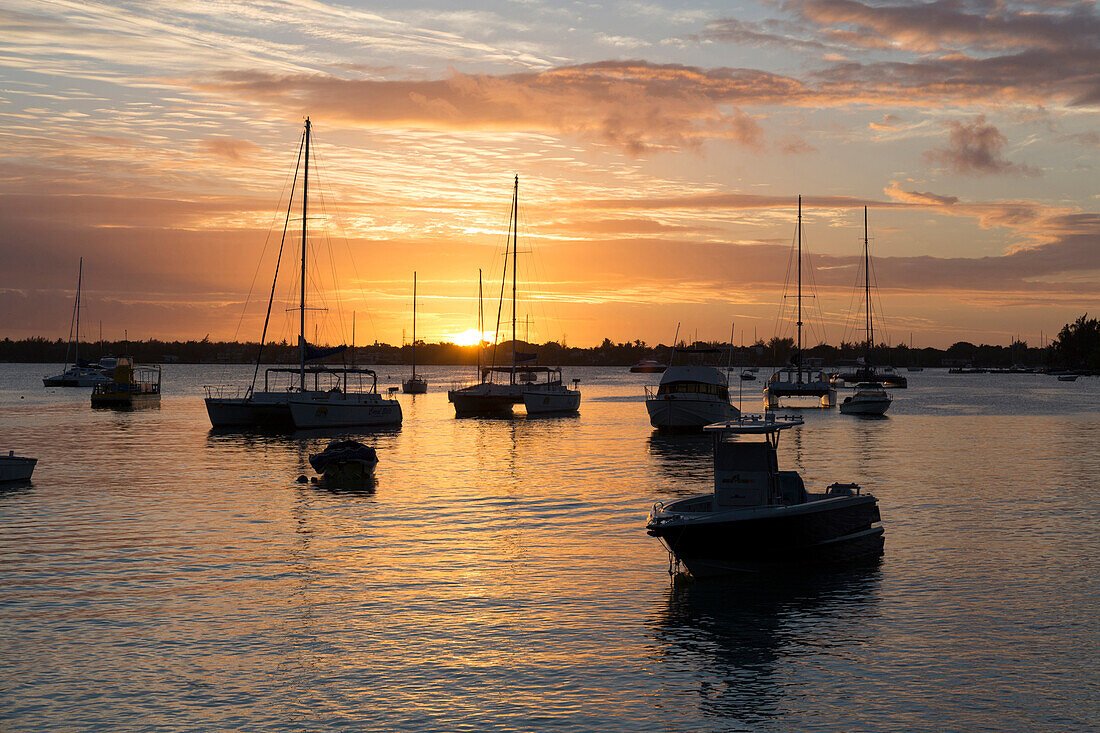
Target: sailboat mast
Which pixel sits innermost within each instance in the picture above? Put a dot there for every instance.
(515, 246)
(480, 323)
(798, 354)
(867, 289)
(79, 284)
(414, 325)
(302, 299)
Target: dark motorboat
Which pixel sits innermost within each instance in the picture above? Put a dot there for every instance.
(345, 459)
(760, 518)
(648, 366)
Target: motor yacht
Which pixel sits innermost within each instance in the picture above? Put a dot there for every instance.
(870, 398)
(760, 519)
(689, 396)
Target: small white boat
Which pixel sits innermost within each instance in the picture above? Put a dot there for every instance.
(16, 468)
(869, 399)
(552, 397)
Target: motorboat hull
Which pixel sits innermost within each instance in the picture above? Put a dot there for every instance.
(541, 403)
(341, 410)
(16, 468)
(683, 413)
(758, 539)
(864, 407)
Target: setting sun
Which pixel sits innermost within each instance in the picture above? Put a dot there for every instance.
(469, 337)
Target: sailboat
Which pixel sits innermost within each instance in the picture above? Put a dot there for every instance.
(414, 384)
(491, 398)
(799, 380)
(867, 372)
(79, 374)
(324, 396)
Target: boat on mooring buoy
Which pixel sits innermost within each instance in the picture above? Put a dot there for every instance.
(759, 518)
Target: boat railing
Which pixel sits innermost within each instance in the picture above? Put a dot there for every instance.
(225, 391)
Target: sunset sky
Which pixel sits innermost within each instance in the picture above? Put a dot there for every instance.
(660, 150)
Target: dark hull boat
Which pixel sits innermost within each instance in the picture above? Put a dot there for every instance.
(822, 531)
(759, 518)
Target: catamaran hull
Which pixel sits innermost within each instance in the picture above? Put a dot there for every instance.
(322, 413)
(839, 530)
(467, 405)
(676, 413)
(544, 403)
(774, 395)
(238, 412)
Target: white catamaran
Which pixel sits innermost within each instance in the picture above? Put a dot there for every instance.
(338, 396)
(491, 398)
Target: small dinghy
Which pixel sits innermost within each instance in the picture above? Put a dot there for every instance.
(345, 460)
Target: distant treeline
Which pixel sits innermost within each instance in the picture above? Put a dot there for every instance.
(1077, 346)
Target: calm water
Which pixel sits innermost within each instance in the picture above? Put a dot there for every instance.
(158, 575)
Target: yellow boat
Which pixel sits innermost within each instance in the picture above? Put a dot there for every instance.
(130, 386)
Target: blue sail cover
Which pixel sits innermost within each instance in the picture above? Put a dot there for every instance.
(314, 353)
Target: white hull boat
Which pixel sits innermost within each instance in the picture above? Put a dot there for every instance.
(869, 399)
(689, 397)
(77, 377)
(342, 410)
(16, 468)
(683, 412)
(553, 400)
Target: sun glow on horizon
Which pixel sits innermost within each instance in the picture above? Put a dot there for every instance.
(469, 337)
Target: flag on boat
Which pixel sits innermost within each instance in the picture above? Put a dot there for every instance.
(522, 358)
(313, 353)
